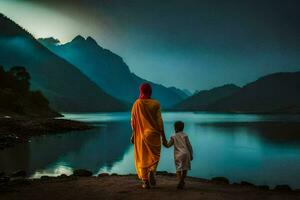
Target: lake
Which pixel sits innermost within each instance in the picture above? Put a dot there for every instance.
(262, 149)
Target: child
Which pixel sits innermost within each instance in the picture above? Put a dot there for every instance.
(183, 152)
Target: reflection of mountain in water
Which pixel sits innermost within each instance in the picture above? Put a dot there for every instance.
(102, 150)
(278, 132)
(91, 149)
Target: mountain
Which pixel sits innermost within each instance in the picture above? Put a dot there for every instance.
(204, 98)
(66, 87)
(108, 70)
(274, 93)
(182, 93)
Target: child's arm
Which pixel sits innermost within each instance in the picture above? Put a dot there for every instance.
(164, 139)
(170, 143)
(188, 144)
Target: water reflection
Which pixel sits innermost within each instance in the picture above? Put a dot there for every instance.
(255, 148)
(56, 154)
(274, 132)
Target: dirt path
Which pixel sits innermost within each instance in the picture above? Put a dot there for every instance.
(128, 187)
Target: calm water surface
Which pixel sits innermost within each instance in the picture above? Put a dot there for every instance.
(237, 146)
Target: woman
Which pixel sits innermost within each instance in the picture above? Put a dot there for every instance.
(147, 126)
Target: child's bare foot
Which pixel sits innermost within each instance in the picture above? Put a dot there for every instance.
(181, 184)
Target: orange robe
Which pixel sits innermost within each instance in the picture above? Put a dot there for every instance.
(147, 126)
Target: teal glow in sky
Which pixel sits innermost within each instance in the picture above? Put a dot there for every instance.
(188, 44)
(42, 21)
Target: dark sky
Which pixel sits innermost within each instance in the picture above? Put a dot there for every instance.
(193, 44)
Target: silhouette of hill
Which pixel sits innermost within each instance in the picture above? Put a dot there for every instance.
(202, 99)
(66, 87)
(108, 70)
(274, 93)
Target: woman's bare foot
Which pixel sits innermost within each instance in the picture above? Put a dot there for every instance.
(151, 178)
(146, 184)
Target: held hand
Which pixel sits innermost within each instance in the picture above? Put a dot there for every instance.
(165, 142)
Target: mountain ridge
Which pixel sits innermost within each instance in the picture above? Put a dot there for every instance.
(203, 98)
(273, 93)
(65, 86)
(109, 71)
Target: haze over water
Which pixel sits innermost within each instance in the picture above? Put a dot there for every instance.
(237, 146)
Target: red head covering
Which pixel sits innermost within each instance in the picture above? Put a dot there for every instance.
(145, 91)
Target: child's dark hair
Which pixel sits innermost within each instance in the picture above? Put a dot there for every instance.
(179, 126)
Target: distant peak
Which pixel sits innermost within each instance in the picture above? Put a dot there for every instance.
(49, 41)
(89, 39)
(226, 86)
(78, 38)
(229, 85)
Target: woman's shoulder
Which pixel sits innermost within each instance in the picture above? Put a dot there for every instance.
(136, 104)
(153, 102)
(136, 101)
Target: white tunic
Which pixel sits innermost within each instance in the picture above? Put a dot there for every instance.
(182, 151)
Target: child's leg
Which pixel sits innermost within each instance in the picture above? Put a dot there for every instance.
(178, 174)
(183, 174)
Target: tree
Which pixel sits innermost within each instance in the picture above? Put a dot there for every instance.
(2, 77)
(21, 77)
(16, 97)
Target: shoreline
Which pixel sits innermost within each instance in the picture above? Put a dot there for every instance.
(231, 112)
(82, 185)
(16, 130)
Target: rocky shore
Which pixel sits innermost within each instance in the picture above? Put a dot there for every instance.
(82, 185)
(17, 129)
